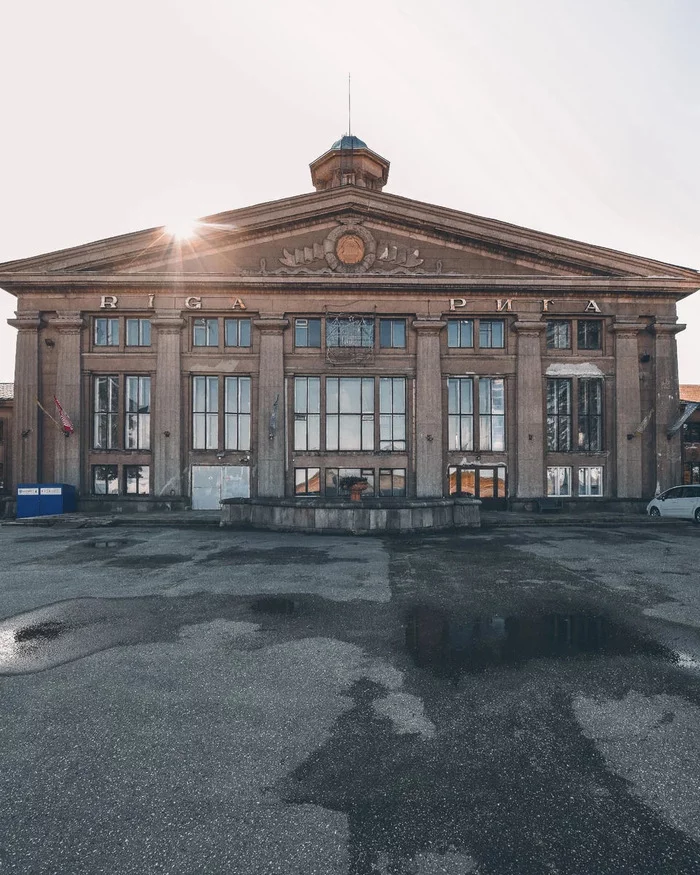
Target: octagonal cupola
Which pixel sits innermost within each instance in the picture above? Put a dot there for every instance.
(349, 161)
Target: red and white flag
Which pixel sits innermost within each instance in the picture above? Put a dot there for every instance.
(66, 424)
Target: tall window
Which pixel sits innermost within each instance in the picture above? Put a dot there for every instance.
(492, 414)
(136, 480)
(138, 332)
(307, 332)
(392, 482)
(392, 333)
(105, 480)
(307, 413)
(236, 332)
(590, 415)
(460, 333)
(349, 413)
(590, 481)
(205, 332)
(558, 481)
(460, 410)
(491, 334)
(392, 413)
(138, 413)
(237, 413)
(589, 334)
(205, 413)
(106, 413)
(559, 415)
(350, 331)
(106, 331)
(558, 333)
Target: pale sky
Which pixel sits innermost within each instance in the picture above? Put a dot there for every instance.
(575, 117)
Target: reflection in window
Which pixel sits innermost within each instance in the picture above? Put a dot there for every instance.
(460, 409)
(558, 334)
(237, 413)
(558, 481)
(492, 414)
(392, 413)
(589, 334)
(350, 331)
(392, 482)
(205, 413)
(106, 413)
(138, 332)
(491, 334)
(460, 333)
(205, 332)
(104, 480)
(559, 415)
(136, 479)
(307, 333)
(138, 413)
(335, 475)
(392, 333)
(349, 413)
(106, 332)
(307, 413)
(236, 332)
(590, 415)
(590, 481)
(307, 481)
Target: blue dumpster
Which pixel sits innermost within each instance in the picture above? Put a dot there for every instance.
(42, 499)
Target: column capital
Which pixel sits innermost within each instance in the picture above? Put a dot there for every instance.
(168, 323)
(628, 326)
(427, 326)
(28, 321)
(667, 327)
(271, 324)
(529, 327)
(67, 323)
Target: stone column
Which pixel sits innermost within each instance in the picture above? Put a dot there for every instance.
(167, 406)
(529, 407)
(27, 463)
(428, 412)
(628, 444)
(67, 449)
(668, 450)
(271, 407)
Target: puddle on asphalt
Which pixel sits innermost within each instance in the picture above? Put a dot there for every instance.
(39, 632)
(108, 543)
(274, 605)
(450, 646)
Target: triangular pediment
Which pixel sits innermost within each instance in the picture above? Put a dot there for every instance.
(345, 232)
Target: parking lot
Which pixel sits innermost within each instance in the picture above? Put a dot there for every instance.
(520, 700)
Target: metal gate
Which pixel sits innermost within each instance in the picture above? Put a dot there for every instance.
(211, 483)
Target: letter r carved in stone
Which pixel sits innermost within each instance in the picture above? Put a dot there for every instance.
(108, 302)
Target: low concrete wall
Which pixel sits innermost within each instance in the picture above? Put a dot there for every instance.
(130, 504)
(365, 517)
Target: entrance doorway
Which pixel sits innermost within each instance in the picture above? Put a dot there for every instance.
(484, 482)
(211, 483)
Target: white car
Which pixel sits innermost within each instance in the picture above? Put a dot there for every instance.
(681, 501)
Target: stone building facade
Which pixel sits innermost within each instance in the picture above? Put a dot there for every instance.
(690, 433)
(6, 437)
(347, 332)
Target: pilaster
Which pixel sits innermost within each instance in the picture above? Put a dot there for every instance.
(428, 413)
(668, 450)
(271, 407)
(26, 428)
(67, 448)
(167, 405)
(529, 414)
(628, 439)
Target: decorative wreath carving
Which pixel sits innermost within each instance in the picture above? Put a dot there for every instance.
(350, 248)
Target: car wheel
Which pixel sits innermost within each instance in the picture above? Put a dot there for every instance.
(654, 512)
(696, 515)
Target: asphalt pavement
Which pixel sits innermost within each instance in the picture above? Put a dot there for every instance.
(518, 700)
